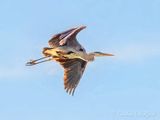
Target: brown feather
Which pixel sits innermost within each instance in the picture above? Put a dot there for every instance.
(73, 68)
(71, 41)
(73, 71)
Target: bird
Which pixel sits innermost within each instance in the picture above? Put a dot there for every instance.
(72, 56)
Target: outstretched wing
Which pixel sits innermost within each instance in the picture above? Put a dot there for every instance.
(68, 37)
(54, 41)
(73, 71)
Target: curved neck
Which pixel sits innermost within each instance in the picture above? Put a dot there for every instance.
(90, 56)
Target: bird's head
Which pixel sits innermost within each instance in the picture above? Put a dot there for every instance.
(92, 55)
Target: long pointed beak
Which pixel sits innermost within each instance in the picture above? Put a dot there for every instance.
(107, 54)
(99, 54)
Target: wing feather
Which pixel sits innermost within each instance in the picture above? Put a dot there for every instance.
(69, 36)
(54, 41)
(73, 71)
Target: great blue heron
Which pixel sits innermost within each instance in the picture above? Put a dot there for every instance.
(65, 49)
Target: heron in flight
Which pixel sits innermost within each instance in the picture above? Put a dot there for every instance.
(65, 49)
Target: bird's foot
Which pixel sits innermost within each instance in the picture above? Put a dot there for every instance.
(31, 62)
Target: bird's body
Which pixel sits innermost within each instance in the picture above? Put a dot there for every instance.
(70, 53)
(63, 52)
(65, 49)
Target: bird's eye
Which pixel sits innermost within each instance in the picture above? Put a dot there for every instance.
(81, 49)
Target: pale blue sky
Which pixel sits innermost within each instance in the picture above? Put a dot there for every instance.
(124, 87)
